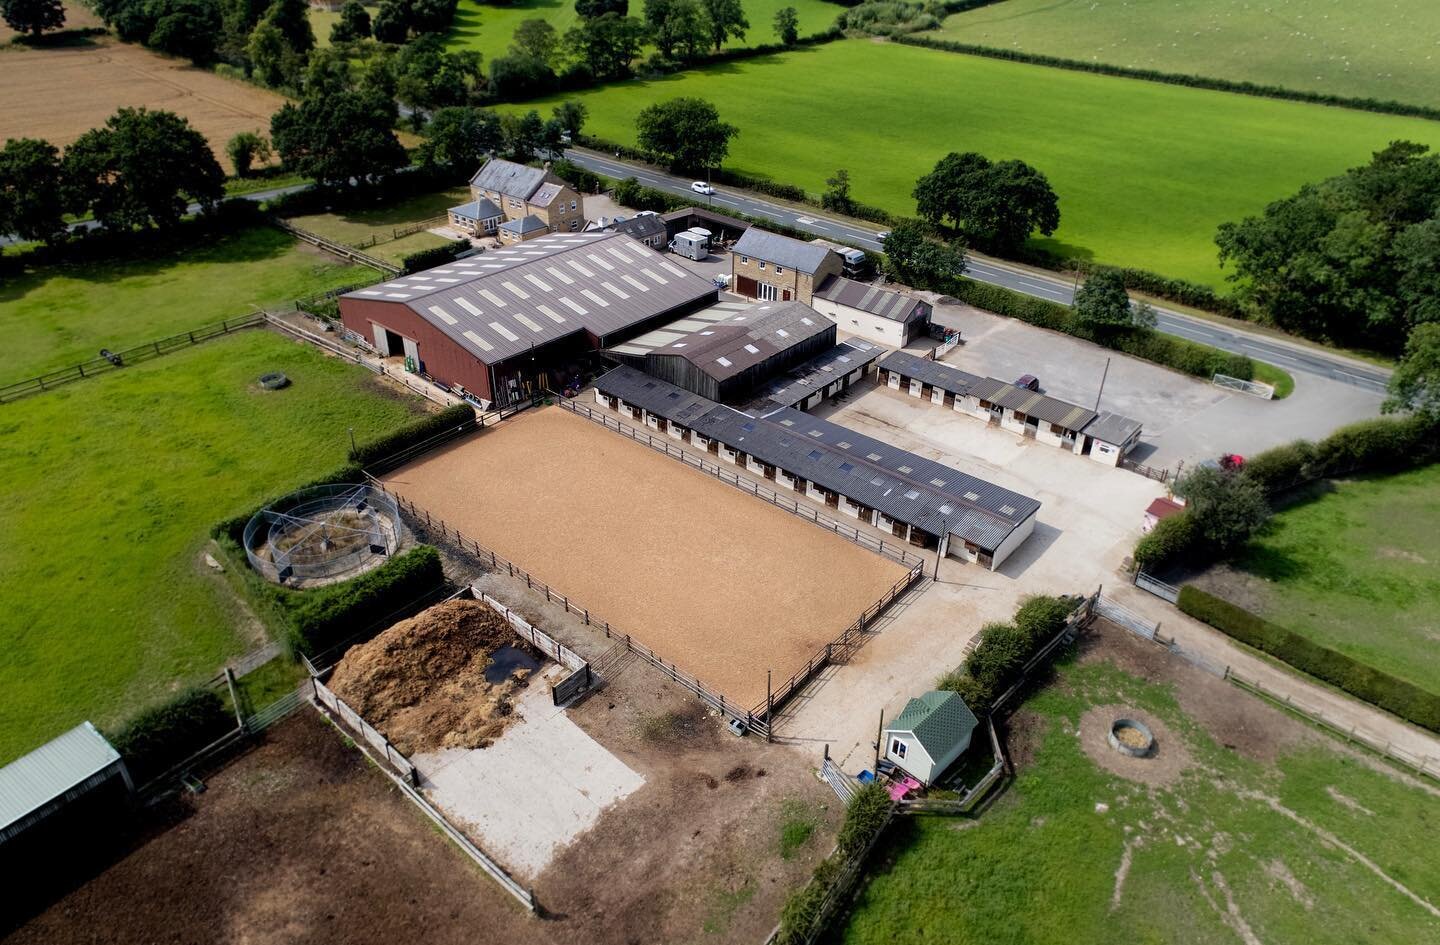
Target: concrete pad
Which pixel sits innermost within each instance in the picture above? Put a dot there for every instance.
(535, 789)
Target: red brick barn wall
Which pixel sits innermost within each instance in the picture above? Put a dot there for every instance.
(443, 358)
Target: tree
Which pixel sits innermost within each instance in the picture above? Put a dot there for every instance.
(189, 28)
(787, 25)
(427, 77)
(1352, 259)
(245, 150)
(606, 44)
(292, 19)
(459, 138)
(432, 16)
(143, 168)
(275, 62)
(686, 133)
(677, 25)
(1226, 507)
(914, 255)
(837, 193)
(996, 205)
(522, 135)
(327, 71)
(33, 16)
(521, 77)
(354, 23)
(32, 190)
(336, 137)
(1102, 304)
(571, 116)
(392, 22)
(537, 39)
(1415, 382)
(726, 18)
(593, 9)
(238, 19)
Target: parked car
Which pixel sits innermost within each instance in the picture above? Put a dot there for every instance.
(1028, 381)
(700, 187)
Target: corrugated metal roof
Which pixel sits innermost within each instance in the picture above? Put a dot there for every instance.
(952, 380)
(814, 375)
(29, 783)
(1113, 428)
(938, 720)
(872, 299)
(803, 257)
(729, 337)
(904, 486)
(641, 227)
(507, 177)
(509, 300)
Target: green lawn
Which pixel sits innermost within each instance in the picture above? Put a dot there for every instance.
(359, 227)
(111, 487)
(1145, 171)
(1358, 569)
(1205, 854)
(1382, 49)
(62, 315)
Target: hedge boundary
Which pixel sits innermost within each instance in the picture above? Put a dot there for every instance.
(1389, 107)
(156, 739)
(1396, 696)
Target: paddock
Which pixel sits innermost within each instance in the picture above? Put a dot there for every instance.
(718, 582)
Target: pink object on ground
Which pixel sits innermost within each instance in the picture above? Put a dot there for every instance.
(899, 790)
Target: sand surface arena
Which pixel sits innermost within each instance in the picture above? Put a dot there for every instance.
(721, 583)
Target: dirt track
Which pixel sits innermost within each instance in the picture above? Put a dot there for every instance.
(721, 583)
(58, 94)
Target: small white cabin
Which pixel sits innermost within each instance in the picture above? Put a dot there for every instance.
(932, 731)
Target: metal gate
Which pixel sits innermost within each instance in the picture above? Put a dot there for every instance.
(1157, 587)
(1119, 614)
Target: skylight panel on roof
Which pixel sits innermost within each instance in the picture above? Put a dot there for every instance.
(807, 320)
(913, 494)
(635, 282)
(528, 322)
(907, 470)
(655, 275)
(427, 286)
(559, 275)
(492, 298)
(615, 290)
(878, 481)
(844, 357)
(592, 296)
(748, 426)
(595, 258)
(723, 362)
(574, 306)
(448, 281)
(538, 283)
(516, 290)
(369, 292)
(672, 269)
(481, 343)
(551, 314)
(1007, 510)
(752, 349)
(873, 457)
(843, 445)
(395, 285)
(678, 344)
(787, 422)
(939, 483)
(504, 332)
(673, 395)
(972, 495)
(468, 306)
(813, 454)
(782, 333)
(443, 315)
(397, 295)
(847, 468)
(946, 509)
(816, 433)
(618, 255)
(440, 272)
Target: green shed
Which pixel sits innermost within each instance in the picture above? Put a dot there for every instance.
(932, 731)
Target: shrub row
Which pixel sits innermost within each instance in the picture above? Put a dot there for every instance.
(161, 737)
(1176, 290)
(1172, 78)
(1379, 445)
(434, 256)
(403, 182)
(323, 617)
(865, 816)
(1396, 696)
(1004, 648)
(1186, 356)
(451, 419)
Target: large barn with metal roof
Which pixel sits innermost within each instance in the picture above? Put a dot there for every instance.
(513, 321)
(918, 500)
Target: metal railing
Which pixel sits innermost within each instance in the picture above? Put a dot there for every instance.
(347, 253)
(1162, 590)
(663, 444)
(1253, 388)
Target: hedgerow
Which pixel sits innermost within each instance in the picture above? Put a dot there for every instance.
(454, 418)
(434, 256)
(162, 736)
(325, 616)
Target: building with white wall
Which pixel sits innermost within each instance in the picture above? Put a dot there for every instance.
(872, 312)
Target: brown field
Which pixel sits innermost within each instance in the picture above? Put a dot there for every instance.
(721, 583)
(59, 94)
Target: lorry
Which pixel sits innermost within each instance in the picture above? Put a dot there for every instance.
(693, 243)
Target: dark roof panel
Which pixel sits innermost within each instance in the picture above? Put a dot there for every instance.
(872, 299)
(798, 383)
(782, 250)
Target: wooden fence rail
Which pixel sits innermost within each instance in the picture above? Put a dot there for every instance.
(347, 253)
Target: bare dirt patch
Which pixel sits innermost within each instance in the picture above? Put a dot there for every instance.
(724, 585)
(60, 93)
(422, 682)
(1167, 760)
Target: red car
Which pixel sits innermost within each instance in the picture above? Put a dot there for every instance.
(1028, 381)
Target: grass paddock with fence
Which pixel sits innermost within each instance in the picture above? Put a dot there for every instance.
(114, 484)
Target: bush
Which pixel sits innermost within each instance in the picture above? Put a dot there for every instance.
(996, 660)
(1040, 617)
(321, 618)
(802, 908)
(452, 419)
(1173, 541)
(584, 181)
(975, 694)
(1408, 701)
(161, 737)
(865, 815)
(435, 256)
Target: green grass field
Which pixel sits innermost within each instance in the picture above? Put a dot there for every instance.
(112, 485)
(1145, 171)
(1358, 569)
(358, 227)
(63, 315)
(1193, 863)
(1383, 49)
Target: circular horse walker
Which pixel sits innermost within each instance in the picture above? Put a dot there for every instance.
(324, 534)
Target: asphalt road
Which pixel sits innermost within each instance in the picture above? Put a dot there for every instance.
(1292, 357)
